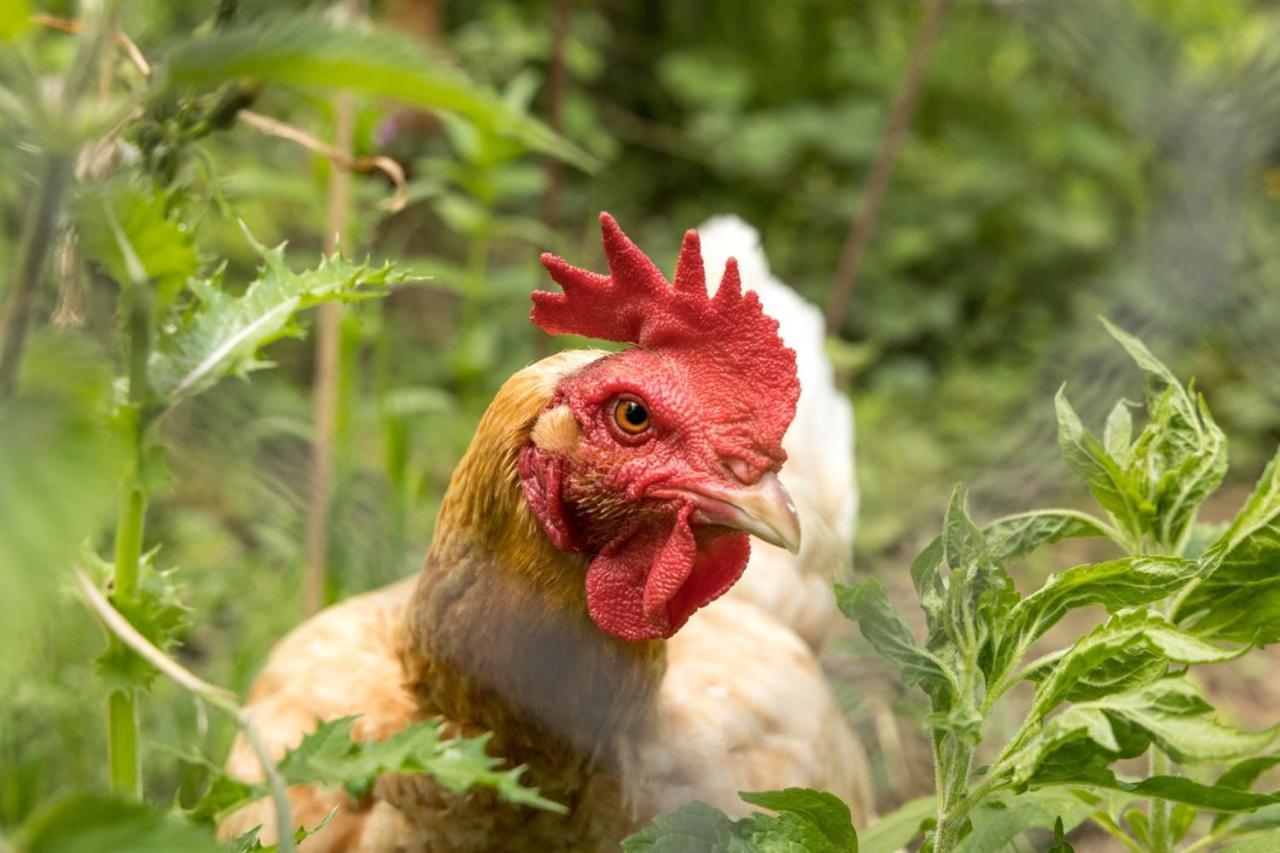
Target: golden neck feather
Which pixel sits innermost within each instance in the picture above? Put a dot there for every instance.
(498, 631)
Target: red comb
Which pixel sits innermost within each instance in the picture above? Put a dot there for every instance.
(635, 304)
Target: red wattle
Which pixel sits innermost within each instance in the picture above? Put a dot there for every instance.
(646, 585)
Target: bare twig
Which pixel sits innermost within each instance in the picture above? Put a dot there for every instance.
(220, 698)
(335, 154)
(327, 363)
(864, 222)
(73, 27)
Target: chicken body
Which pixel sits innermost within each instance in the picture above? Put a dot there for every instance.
(494, 636)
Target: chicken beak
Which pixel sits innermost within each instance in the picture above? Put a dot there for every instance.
(763, 509)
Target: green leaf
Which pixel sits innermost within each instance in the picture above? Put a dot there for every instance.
(130, 234)
(311, 52)
(1115, 584)
(867, 603)
(92, 823)
(980, 592)
(329, 756)
(1111, 486)
(223, 334)
(825, 811)
(1015, 535)
(1240, 600)
(1002, 818)
(1123, 633)
(807, 822)
(1118, 433)
(1181, 451)
(1172, 712)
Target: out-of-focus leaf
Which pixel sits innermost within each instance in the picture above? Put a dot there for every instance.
(308, 51)
(1240, 600)
(893, 831)
(129, 233)
(1015, 535)
(92, 823)
(331, 757)
(58, 468)
(223, 333)
(15, 19)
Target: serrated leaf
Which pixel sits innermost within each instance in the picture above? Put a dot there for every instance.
(867, 603)
(331, 757)
(309, 51)
(1015, 535)
(92, 823)
(1240, 599)
(223, 334)
(1110, 485)
(156, 611)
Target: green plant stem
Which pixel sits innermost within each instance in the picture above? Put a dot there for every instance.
(123, 757)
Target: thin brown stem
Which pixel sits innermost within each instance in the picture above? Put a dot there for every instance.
(557, 78)
(864, 222)
(327, 366)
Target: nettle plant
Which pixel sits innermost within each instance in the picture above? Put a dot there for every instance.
(1178, 595)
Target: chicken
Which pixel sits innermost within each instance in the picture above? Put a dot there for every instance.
(819, 475)
(604, 502)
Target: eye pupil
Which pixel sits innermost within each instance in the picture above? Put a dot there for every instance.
(635, 413)
(631, 416)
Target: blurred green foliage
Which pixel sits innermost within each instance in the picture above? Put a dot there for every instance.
(1067, 159)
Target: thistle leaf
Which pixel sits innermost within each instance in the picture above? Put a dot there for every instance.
(223, 334)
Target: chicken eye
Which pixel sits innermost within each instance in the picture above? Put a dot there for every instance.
(631, 416)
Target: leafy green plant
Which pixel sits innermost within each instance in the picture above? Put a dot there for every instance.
(1121, 689)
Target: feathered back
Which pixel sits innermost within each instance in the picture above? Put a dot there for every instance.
(819, 472)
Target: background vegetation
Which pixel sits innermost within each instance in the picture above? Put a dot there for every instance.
(1065, 159)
